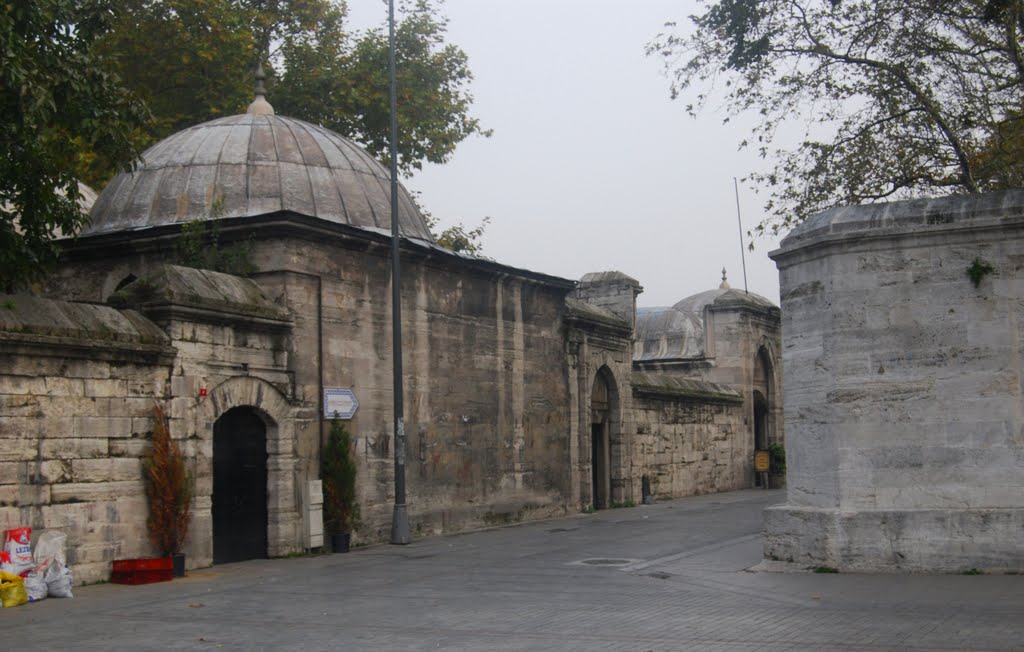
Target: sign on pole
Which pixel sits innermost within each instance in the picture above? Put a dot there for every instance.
(339, 403)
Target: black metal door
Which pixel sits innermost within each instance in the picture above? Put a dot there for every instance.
(239, 487)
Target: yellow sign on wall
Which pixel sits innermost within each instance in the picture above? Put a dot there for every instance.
(761, 461)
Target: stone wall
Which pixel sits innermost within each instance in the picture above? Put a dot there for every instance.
(905, 433)
(487, 407)
(691, 436)
(485, 385)
(77, 390)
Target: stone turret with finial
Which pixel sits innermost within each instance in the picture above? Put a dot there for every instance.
(725, 284)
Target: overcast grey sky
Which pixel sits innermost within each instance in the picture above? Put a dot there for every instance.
(591, 166)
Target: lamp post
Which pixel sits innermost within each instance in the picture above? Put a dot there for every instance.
(400, 517)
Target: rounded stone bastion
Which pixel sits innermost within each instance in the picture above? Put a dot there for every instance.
(903, 325)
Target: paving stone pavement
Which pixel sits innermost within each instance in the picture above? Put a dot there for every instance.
(670, 576)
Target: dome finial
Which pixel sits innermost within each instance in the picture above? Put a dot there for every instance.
(260, 105)
(725, 284)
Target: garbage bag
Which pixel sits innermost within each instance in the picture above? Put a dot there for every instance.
(59, 581)
(50, 547)
(12, 590)
(35, 586)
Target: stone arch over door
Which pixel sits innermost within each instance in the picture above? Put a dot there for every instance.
(263, 401)
(606, 451)
(765, 406)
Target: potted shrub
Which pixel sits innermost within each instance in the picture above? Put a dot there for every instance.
(338, 472)
(169, 491)
(777, 466)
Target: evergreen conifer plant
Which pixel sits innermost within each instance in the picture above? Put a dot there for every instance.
(168, 488)
(338, 471)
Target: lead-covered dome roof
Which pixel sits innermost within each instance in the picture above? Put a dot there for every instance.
(678, 332)
(667, 333)
(254, 164)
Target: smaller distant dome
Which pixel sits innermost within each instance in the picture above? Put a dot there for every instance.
(696, 303)
(668, 333)
(722, 297)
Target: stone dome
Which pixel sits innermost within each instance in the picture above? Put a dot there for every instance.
(668, 333)
(254, 164)
(677, 332)
(722, 296)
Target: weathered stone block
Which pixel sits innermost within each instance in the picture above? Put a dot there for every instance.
(106, 470)
(104, 388)
(111, 427)
(95, 491)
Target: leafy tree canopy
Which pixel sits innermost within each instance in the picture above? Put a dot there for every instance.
(55, 99)
(193, 60)
(900, 98)
(458, 238)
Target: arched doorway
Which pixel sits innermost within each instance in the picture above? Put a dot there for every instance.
(239, 486)
(600, 441)
(760, 429)
(762, 397)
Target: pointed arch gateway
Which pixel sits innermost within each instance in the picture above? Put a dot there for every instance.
(763, 402)
(604, 450)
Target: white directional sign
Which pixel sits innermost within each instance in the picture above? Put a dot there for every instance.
(339, 403)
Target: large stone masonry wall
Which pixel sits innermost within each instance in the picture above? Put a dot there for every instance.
(77, 389)
(903, 387)
(691, 437)
(485, 381)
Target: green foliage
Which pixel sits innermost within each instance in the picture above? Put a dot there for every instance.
(193, 60)
(55, 97)
(190, 60)
(978, 270)
(338, 471)
(459, 239)
(825, 569)
(199, 246)
(455, 238)
(168, 488)
(898, 98)
(622, 504)
(433, 103)
(776, 458)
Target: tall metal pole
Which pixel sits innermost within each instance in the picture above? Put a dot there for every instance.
(743, 254)
(400, 517)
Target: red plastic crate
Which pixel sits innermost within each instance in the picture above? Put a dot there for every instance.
(142, 571)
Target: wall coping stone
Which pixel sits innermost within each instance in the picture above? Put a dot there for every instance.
(913, 217)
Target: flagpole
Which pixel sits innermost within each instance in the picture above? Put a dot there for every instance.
(743, 254)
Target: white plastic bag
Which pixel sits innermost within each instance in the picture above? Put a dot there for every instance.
(59, 580)
(50, 547)
(35, 585)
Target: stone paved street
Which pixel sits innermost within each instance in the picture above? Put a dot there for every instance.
(670, 576)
